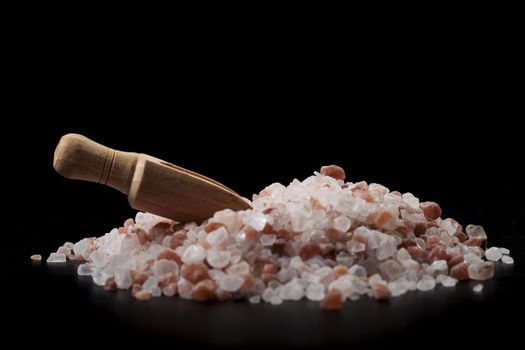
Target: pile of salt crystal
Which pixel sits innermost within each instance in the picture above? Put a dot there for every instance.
(321, 239)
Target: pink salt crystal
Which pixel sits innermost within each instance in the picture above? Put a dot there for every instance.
(110, 285)
(309, 250)
(340, 270)
(212, 226)
(380, 291)
(170, 255)
(333, 171)
(460, 272)
(431, 210)
(474, 241)
(432, 241)
(461, 236)
(250, 233)
(364, 195)
(415, 252)
(36, 257)
(420, 229)
(332, 301)
(177, 239)
(142, 295)
(382, 218)
(455, 259)
(194, 272)
(138, 277)
(142, 235)
(437, 253)
(204, 290)
(269, 272)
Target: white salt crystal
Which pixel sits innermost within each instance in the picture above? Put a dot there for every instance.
(507, 259)
(375, 279)
(268, 240)
(63, 250)
(231, 283)
(481, 271)
(150, 284)
(438, 267)
(256, 220)
(447, 226)
(411, 200)
(81, 247)
(292, 291)
(493, 254)
(475, 231)
(100, 276)
(99, 259)
(478, 288)
(123, 278)
(448, 281)
(398, 287)
(163, 267)
(84, 270)
(426, 283)
(357, 271)
(403, 255)
(185, 288)
(391, 269)
(218, 258)
(504, 251)
(315, 292)
(471, 258)
(218, 236)
(355, 247)
(194, 253)
(285, 275)
(255, 299)
(386, 248)
(342, 223)
(56, 258)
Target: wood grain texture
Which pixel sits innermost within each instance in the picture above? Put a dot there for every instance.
(151, 184)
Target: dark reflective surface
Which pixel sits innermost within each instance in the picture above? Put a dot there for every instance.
(363, 322)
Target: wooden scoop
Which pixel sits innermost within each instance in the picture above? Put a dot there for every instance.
(151, 184)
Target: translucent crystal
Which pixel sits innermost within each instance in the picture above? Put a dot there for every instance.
(56, 258)
(507, 259)
(493, 254)
(194, 253)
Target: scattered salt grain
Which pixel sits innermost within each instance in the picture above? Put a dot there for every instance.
(36, 257)
(507, 259)
(478, 288)
(493, 254)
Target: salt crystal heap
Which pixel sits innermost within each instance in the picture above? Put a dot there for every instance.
(320, 239)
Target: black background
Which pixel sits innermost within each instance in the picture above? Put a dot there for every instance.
(426, 115)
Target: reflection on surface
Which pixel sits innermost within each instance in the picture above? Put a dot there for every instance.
(294, 323)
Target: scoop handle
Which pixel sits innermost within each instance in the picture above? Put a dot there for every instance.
(77, 157)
